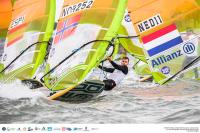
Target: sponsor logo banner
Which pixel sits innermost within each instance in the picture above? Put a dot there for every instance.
(174, 59)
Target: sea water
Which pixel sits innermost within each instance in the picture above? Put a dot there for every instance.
(130, 102)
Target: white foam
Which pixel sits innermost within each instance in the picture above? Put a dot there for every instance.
(17, 90)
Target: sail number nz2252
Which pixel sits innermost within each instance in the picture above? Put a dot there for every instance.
(77, 7)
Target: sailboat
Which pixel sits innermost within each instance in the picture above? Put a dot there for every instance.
(169, 35)
(83, 35)
(27, 38)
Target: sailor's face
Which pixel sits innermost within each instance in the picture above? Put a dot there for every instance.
(124, 62)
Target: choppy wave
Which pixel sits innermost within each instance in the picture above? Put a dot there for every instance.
(131, 102)
(183, 116)
(17, 90)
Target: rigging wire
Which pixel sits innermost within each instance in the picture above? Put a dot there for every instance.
(186, 67)
(17, 57)
(69, 56)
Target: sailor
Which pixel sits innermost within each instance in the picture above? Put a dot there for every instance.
(118, 72)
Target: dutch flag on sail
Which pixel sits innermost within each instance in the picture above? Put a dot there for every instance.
(162, 40)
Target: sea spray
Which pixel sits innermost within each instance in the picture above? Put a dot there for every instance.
(16, 90)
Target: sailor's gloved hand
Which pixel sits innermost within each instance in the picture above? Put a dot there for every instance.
(109, 58)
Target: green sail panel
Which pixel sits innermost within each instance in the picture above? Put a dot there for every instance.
(131, 43)
(31, 26)
(94, 21)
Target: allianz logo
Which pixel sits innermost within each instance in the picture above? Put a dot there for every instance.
(188, 48)
(166, 58)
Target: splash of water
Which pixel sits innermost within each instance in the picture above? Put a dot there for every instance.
(17, 90)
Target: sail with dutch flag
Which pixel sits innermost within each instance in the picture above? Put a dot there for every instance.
(169, 36)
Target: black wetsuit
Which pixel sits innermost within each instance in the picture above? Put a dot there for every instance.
(110, 83)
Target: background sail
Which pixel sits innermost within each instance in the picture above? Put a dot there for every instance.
(132, 45)
(87, 21)
(32, 22)
(164, 32)
(5, 17)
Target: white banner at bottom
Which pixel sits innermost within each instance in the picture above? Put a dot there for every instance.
(100, 128)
